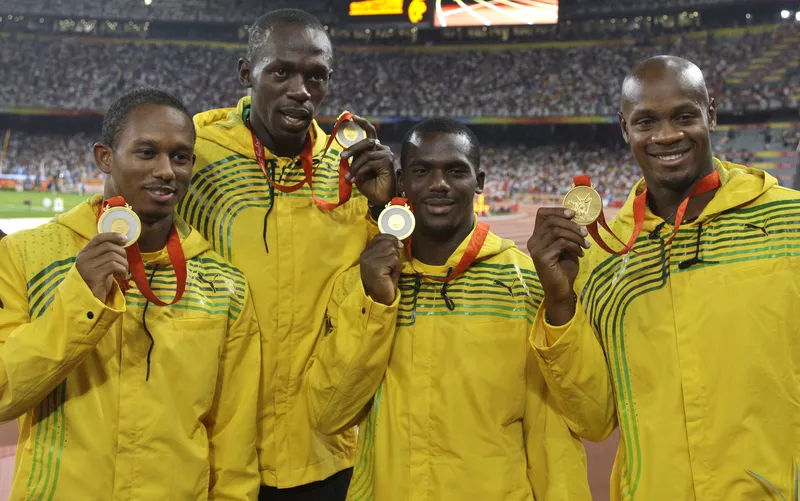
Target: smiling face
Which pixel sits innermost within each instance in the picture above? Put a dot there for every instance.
(288, 74)
(150, 161)
(440, 180)
(667, 119)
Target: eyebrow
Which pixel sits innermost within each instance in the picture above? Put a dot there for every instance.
(154, 144)
(678, 109)
(290, 64)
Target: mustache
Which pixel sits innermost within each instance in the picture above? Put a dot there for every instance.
(160, 186)
(437, 198)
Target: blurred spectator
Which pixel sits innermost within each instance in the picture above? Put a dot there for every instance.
(76, 73)
(513, 171)
(183, 10)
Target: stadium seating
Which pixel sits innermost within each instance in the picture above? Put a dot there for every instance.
(746, 70)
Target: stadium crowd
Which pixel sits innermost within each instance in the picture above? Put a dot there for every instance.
(513, 171)
(167, 10)
(85, 74)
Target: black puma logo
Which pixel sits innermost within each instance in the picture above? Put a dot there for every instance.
(210, 283)
(509, 288)
(762, 229)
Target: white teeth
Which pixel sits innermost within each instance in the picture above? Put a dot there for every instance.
(671, 157)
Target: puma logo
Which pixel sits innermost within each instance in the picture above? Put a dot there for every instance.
(209, 283)
(509, 288)
(762, 229)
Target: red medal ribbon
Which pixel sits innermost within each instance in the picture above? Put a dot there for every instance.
(176, 257)
(470, 254)
(709, 183)
(306, 159)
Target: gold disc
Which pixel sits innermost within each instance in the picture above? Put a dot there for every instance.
(397, 220)
(120, 220)
(349, 134)
(120, 226)
(586, 203)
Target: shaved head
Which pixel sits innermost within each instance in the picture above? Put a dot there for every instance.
(667, 119)
(664, 68)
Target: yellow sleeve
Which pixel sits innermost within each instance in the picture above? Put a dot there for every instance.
(574, 366)
(556, 458)
(37, 354)
(372, 225)
(349, 363)
(231, 422)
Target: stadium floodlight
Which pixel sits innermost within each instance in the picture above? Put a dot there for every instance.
(148, 2)
(785, 14)
(797, 16)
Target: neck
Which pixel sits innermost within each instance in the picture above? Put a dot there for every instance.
(664, 202)
(288, 148)
(155, 234)
(435, 248)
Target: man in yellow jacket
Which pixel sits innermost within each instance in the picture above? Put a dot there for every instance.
(692, 333)
(116, 397)
(431, 352)
(262, 194)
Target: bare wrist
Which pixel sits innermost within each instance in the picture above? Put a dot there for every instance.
(560, 312)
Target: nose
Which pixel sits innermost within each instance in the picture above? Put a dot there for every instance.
(667, 134)
(297, 89)
(163, 168)
(438, 181)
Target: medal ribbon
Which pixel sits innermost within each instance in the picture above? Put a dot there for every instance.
(176, 258)
(307, 159)
(470, 254)
(709, 183)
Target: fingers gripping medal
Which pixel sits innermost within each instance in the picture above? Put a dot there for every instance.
(397, 219)
(585, 201)
(120, 220)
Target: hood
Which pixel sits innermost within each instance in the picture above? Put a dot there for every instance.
(226, 127)
(740, 185)
(83, 221)
(493, 246)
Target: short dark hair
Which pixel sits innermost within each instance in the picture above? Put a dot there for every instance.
(121, 109)
(445, 126)
(281, 17)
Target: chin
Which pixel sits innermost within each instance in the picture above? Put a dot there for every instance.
(153, 215)
(438, 228)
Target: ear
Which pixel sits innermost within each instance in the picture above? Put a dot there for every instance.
(481, 178)
(245, 73)
(623, 126)
(399, 177)
(102, 157)
(712, 116)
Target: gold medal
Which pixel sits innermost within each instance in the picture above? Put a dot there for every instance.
(349, 133)
(120, 220)
(586, 203)
(397, 220)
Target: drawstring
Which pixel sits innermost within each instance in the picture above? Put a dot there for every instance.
(146, 330)
(417, 287)
(449, 302)
(271, 204)
(684, 265)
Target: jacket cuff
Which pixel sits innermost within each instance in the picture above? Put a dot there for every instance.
(547, 338)
(370, 310)
(90, 313)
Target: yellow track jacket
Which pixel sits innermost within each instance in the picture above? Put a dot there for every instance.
(290, 250)
(459, 408)
(702, 344)
(73, 369)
